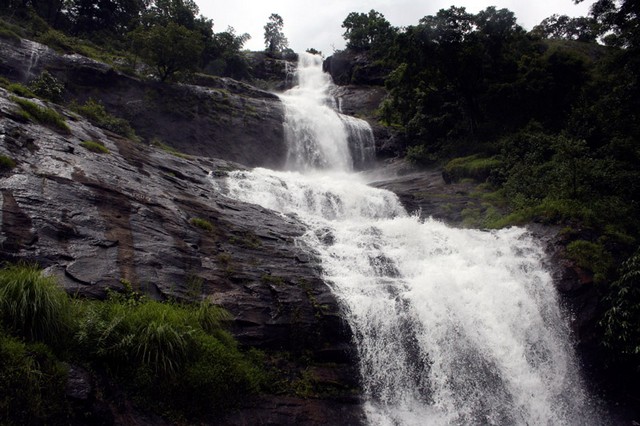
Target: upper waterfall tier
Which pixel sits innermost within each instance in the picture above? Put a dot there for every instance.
(317, 135)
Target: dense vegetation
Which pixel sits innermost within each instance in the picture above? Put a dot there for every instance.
(548, 117)
(169, 35)
(171, 356)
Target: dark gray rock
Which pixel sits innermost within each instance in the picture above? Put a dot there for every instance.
(223, 118)
(348, 67)
(94, 220)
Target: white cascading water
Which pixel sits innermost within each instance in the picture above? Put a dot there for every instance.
(451, 326)
(313, 125)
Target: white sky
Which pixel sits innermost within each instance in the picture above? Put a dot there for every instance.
(317, 23)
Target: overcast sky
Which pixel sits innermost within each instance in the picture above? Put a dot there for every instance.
(317, 23)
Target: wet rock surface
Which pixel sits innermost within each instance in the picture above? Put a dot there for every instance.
(93, 220)
(221, 118)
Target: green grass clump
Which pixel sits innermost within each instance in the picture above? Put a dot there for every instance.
(473, 167)
(7, 34)
(201, 223)
(167, 148)
(172, 355)
(21, 90)
(6, 163)
(32, 383)
(96, 147)
(98, 115)
(32, 305)
(43, 115)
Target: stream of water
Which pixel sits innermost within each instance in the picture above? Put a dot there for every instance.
(451, 326)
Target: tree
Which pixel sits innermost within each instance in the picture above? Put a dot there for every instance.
(104, 16)
(170, 49)
(564, 27)
(274, 38)
(367, 31)
(223, 54)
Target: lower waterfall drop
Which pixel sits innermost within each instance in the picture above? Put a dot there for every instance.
(451, 326)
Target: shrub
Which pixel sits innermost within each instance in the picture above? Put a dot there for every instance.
(6, 163)
(98, 115)
(591, 256)
(57, 41)
(219, 377)
(46, 116)
(32, 383)
(172, 355)
(620, 321)
(47, 86)
(473, 167)
(32, 305)
(96, 147)
(419, 155)
(201, 223)
(7, 34)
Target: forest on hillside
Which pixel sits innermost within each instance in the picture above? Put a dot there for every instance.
(547, 119)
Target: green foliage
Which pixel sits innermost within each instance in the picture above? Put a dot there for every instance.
(46, 116)
(32, 383)
(201, 223)
(47, 87)
(174, 356)
(368, 32)
(32, 305)
(472, 167)
(57, 41)
(179, 356)
(170, 49)
(98, 115)
(622, 318)
(7, 34)
(419, 155)
(97, 147)
(6, 163)
(21, 90)
(274, 38)
(591, 256)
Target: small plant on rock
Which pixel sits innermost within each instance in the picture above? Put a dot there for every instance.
(47, 116)
(201, 223)
(6, 163)
(96, 147)
(47, 87)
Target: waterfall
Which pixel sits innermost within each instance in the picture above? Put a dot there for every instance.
(451, 326)
(313, 124)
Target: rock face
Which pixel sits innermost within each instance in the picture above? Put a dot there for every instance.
(348, 67)
(222, 118)
(94, 220)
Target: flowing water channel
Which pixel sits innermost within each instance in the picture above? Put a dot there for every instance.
(452, 326)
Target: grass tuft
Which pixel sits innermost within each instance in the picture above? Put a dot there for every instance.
(96, 113)
(96, 147)
(33, 305)
(43, 115)
(202, 224)
(6, 163)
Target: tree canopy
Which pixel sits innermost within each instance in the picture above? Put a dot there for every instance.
(274, 39)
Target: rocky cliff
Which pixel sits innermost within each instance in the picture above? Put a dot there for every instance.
(98, 219)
